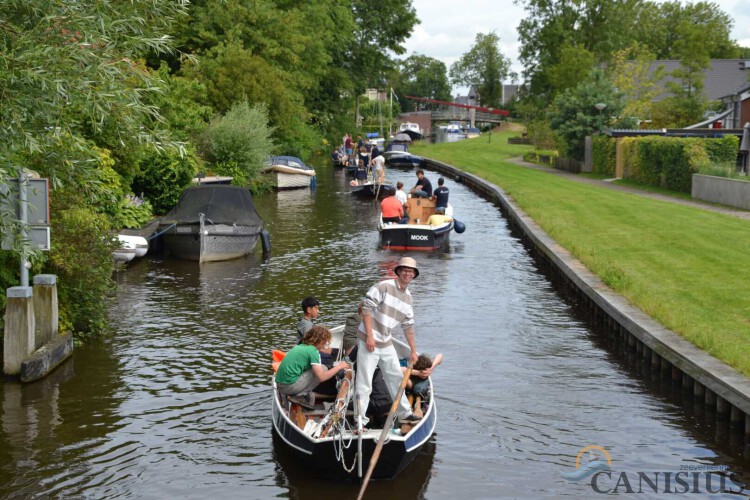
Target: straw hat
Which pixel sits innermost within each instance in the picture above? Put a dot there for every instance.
(407, 262)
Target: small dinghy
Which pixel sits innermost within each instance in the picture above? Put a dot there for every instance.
(324, 438)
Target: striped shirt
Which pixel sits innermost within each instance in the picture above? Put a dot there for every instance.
(389, 307)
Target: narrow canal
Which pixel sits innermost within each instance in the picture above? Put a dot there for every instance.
(175, 403)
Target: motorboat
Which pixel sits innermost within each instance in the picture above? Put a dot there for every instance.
(325, 438)
(424, 231)
(212, 223)
(397, 155)
(413, 130)
(288, 172)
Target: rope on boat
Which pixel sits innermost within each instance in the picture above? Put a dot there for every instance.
(340, 426)
(156, 235)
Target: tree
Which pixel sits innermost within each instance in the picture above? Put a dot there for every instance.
(484, 67)
(423, 76)
(71, 81)
(657, 22)
(574, 62)
(380, 27)
(598, 26)
(574, 113)
(629, 71)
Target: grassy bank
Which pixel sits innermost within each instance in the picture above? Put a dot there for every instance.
(687, 268)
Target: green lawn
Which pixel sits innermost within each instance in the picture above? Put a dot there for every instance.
(687, 268)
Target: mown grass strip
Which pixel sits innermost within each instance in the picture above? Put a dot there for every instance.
(687, 268)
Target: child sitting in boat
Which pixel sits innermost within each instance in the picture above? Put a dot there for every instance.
(419, 381)
(301, 370)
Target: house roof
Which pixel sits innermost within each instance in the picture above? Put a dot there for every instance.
(725, 77)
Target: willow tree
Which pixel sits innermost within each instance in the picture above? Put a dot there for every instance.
(71, 80)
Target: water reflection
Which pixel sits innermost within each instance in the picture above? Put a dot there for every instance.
(176, 402)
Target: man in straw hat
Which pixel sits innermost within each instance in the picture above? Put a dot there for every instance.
(385, 306)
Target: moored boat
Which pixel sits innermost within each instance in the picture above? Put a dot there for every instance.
(288, 172)
(413, 130)
(330, 444)
(213, 223)
(138, 242)
(424, 231)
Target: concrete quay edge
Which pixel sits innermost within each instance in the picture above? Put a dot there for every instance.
(712, 373)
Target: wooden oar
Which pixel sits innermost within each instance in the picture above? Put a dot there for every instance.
(384, 433)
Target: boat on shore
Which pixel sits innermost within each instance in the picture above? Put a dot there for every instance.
(288, 172)
(325, 439)
(424, 231)
(213, 222)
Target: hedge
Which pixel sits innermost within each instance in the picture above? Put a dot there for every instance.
(605, 155)
(667, 162)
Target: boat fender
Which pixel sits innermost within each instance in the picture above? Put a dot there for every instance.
(265, 240)
(314, 183)
(459, 226)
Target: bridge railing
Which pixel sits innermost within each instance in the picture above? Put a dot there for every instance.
(462, 115)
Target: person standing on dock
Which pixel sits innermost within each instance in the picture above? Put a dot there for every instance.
(385, 306)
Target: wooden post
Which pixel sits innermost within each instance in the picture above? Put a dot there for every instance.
(45, 308)
(19, 328)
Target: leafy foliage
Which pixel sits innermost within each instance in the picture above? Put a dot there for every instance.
(574, 115)
(241, 139)
(81, 237)
(423, 76)
(604, 155)
(629, 71)
(164, 175)
(484, 67)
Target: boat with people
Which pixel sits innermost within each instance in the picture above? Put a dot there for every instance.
(372, 189)
(213, 222)
(328, 436)
(425, 230)
(289, 172)
(413, 130)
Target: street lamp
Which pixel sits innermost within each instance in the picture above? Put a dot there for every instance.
(600, 106)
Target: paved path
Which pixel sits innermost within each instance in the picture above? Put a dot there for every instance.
(732, 212)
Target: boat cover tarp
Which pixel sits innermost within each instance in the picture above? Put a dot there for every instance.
(289, 161)
(220, 203)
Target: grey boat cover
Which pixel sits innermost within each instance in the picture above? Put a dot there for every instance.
(221, 204)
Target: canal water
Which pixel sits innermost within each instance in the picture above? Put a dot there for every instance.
(176, 402)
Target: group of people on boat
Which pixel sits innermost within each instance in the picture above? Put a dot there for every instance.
(394, 208)
(367, 344)
(366, 159)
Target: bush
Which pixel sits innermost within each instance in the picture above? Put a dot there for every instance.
(604, 155)
(723, 149)
(81, 257)
(240, 139)
(163, 176)
(134, 213)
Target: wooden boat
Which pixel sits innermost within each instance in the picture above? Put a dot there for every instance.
(289, 172)
(213, 223)
(418, 234)
(337, 455)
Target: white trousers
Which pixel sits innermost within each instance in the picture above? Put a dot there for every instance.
(387, 359)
